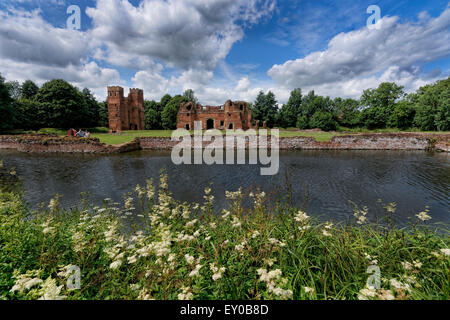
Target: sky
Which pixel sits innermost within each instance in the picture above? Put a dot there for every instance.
(226, 49)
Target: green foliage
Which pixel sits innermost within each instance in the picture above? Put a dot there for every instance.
(165, 100)
(190, 96)
(380, 104)
(29, 89)
(29, 114)
(265, 108)
(7, 119)
(61, 105)
(290, 111)
(92, 116)
(103, 114)
(402, 116)
(323, 120)
(152, 115)
(433, 106)
(302, 122)
(170, 112)
(347, 112)
(185, 251)
(15, 89)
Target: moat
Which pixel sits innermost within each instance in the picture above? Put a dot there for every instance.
(324, 182)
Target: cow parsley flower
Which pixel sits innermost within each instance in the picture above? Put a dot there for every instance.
(189, 259)
(196, 271)
(424, 216)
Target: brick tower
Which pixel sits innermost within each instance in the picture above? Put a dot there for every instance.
(125, 113)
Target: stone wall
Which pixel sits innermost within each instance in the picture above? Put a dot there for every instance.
(57, 144)
(382, 141)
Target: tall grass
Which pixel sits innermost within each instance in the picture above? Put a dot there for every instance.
(175, 250)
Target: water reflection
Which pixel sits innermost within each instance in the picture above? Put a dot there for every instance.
(324, 181)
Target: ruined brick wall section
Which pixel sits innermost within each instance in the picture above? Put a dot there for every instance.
(232, 115)
(47, 143)
(125, 113)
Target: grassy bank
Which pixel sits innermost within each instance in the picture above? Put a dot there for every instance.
(128, 136)
(183, 251)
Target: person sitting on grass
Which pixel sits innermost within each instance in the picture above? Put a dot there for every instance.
(87, 134)
(80, 133)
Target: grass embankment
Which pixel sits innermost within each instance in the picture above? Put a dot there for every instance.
(128, 136)
(184, 251)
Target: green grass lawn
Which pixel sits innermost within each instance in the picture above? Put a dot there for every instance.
(127, 136)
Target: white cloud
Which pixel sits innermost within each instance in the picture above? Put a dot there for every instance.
(88, 75)
(26, 37)
(353, 59)
(188, 34)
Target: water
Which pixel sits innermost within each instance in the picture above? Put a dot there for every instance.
(322, 181)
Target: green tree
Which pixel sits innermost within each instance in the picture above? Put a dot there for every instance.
(265, 108)
(92, 115)
(323, 120)
(190, 96)
(347, 112)
(103, 120)
(380, 104)
(290, 111)
(29, 89)
(15, 89)
(7, 118)
(403, 115)
(433, 106)
(62, 105)
(302, 122)
(170, 112)
(29, 114)
(164, 101)
(152, 115)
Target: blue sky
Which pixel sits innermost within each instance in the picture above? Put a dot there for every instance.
(226, 49)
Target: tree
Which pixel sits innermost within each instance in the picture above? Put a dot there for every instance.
(190, 96)
(15, 89)
(7, 118)
(28, 114)
(290, 111)
(323, 120)
(380, 104)
(403, 115)
(302, 122)
(170, 112)
(103, 120)
(433, 106)
(29, 89)
(92, 115)
(62, 105)
(152, 115)
(164, 101)
(265, 108)
(347, 112)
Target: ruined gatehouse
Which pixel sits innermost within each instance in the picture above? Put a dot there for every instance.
(232, 115)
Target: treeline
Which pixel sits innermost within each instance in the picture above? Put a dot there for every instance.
(388, 106)
(58, 104)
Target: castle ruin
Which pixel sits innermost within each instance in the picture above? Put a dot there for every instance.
(232, 116)
(125, 113)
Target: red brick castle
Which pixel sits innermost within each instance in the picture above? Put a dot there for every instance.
(232, 115)
(125, 113)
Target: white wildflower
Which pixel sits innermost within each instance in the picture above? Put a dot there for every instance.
(189, 259)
